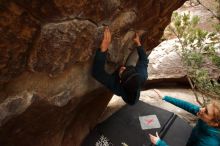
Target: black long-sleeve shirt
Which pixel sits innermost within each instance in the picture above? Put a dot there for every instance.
(111, 81)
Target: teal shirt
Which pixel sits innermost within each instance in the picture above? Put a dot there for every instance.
(161, 143)
(202, 134)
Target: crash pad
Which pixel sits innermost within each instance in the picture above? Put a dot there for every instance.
(124, 127)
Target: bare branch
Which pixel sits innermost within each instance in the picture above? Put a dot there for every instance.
(193, 89)
(208, 94)
(158, 93)
(216, 16)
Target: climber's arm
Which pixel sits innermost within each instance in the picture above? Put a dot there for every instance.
(99, 73)
(98, 69)
(142, 63)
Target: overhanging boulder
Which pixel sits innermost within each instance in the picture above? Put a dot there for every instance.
(48, 96)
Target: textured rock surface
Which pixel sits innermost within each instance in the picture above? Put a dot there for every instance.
(165, 62)
(204, 11)
(166, 68)
(47, 96)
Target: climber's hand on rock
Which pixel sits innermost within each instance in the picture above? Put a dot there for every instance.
(106, 40)
(137, 39)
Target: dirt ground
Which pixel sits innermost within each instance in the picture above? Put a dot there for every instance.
(151, 97)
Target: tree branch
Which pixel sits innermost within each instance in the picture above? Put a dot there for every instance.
(193, 89)
(216, 16)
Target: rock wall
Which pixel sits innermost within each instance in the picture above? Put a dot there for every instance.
(47, 95)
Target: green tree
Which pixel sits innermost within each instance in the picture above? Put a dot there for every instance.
(198, 48)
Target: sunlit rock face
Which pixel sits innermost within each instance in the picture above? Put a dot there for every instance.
(47, 94)
(165, 62)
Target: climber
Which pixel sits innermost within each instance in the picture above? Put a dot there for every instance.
(125, 81)
(207, 130)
